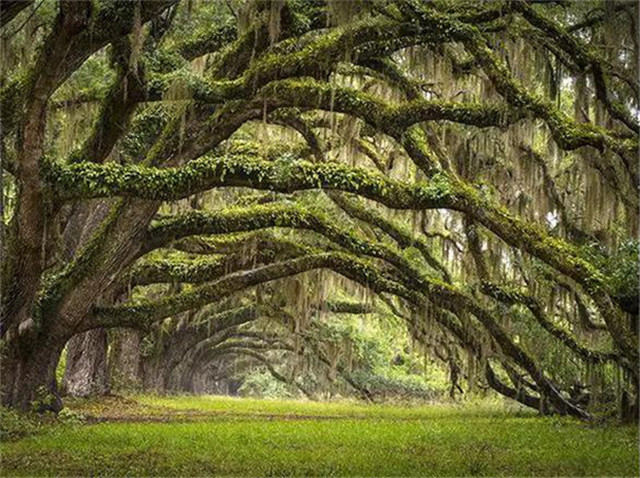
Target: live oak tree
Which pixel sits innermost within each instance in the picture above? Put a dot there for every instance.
(473, 165)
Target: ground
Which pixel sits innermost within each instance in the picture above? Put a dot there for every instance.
(187, 436)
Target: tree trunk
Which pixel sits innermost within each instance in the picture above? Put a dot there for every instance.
(86, 373)
(628, 408)
(125, 361)
(152, 378)
(171, 378)
(28, 380)
(187, 377)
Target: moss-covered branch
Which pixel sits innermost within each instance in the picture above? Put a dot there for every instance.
(583, 57)
(512, 296)
(171, 269)
(568, 134)
(401, 236)
(265, 216)
(260, 217)
(88, 180)
(392, 119)
(354, 269)
(84, 180)
(206, 40)
(225, 286)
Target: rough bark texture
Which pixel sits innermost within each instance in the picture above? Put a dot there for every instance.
(124, 360)
(86, 373)
(28, 377)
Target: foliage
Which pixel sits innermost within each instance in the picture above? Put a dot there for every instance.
(397, 386)
(15, 425)
(261, 384)
(621, 267)
(68, 416)
(45, 400)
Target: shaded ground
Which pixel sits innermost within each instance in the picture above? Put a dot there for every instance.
(178, 436)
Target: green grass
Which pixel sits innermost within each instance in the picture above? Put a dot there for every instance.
(171, 436)
(305, 408)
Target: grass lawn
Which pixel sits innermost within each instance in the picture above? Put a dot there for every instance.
(196, 436)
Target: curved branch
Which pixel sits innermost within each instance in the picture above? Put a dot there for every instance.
(569, 134)
(511, 296)
(9, 9)
(583, 57)
(207, 41)
(226, 286)
(354, 269)
(89, 180)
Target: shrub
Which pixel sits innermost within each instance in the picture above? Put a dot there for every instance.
(14, 425)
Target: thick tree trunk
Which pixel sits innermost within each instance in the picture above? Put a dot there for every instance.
(629, 411)
(172, 378)
(125, 365)
(86, 373)
(187, 377)
(204, 381)
(175, 370)
(28, 379)
(200, 384)
(152, 377)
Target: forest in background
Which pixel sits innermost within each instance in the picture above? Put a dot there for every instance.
(379, 199)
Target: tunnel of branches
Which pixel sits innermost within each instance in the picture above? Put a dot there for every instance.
(192, 189)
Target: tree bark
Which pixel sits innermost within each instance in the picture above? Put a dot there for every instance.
(86, 373)
(28, 380)
(152, 378)
(125, 366)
